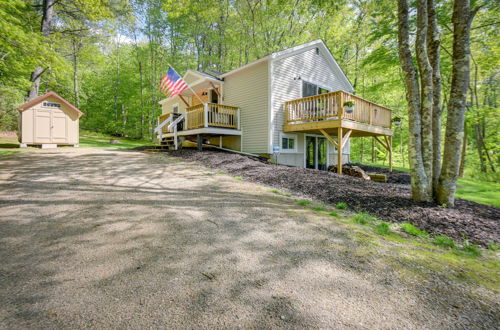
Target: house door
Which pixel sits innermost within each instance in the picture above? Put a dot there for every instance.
(59, 127)
(316, 153)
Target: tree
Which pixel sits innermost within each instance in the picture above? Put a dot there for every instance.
(462, 20)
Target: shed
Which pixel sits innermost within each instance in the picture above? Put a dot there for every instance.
(49, 120)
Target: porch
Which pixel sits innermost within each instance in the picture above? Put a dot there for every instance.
(331, 115)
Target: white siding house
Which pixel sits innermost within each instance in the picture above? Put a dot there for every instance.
(244, 109)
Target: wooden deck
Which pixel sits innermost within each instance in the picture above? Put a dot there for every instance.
(326, 114)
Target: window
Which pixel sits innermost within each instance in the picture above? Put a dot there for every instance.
(288, 143)
(175, 108)
(309, 89)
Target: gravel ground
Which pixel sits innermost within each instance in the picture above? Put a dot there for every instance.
(390, 202)
(95, 238)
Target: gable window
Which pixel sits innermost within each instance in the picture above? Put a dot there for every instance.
(288, 142)
(51, 105)
(310, 89)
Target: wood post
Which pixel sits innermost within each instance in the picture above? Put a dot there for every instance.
(390, 153)
(205, 115)
(339, 150)
(199, 140)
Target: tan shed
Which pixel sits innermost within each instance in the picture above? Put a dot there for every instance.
(49, 120)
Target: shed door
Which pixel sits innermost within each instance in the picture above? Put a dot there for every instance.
(59, 127)
(43, 122)
(50, 126)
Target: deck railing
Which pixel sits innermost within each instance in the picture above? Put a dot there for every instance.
(212, 115)
(161, 119)
(329, 106)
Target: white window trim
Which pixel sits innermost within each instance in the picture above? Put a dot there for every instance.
(288, 136)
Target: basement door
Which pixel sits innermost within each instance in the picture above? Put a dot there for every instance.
(50, 126)
(316, 153)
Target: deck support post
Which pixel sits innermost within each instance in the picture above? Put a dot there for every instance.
(339, 150)
(390, 153)
(220, 141)
(199, 140)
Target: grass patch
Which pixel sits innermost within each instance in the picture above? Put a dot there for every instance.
(239, 178)
(97, 140)
(444, 241)
(479, 191)
(493, 246)
(341, 206)
(277, 192)
(333, 214)
(363, 218)
(318, 208)
(382, 228)
(412, 230)
(470, 248)
(220, 172)
(303, 203)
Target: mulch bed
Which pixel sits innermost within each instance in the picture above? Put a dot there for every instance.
(388, 201)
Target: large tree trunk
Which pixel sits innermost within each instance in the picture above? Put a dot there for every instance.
(419, 180)
(462, 19)
(426, 91)
(47, 21)
(433, 44)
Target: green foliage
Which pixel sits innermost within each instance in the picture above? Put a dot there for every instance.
(364, 218)
(333, 214)
(220, 172)
(443, 241)
(341, 206)
(383, 228)
(318, 208)
(412, 230)
(471, 248)
(303, 203)
(493, 246)
(239, 178)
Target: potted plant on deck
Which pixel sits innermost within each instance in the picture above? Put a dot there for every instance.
(349, 106)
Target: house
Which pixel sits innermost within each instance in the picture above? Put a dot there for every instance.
(295, 101)
(49, 120)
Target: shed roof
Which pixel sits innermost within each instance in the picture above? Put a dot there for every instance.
(41, 98)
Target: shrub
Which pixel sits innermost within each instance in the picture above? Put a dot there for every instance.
(333, 214)
(363, 218)
(412, 230)
(382, 228)
(470, 248)
(341, 206)
(444, 241)
(303, 203)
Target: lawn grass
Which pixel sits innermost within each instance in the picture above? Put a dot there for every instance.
(98, 140)
(87, 140)
(478, 191)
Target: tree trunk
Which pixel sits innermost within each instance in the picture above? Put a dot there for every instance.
(426, 91)
(47, 21)
(433, 44)
(419, 181)
(462, 19)
(464, 152)
(75, 73)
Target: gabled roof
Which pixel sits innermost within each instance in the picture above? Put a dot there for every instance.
(39, 99)
(296, 50)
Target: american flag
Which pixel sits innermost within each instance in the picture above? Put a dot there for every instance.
(172, 84)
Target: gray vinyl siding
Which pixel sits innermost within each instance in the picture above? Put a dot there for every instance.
(310, 67)
(248, 89)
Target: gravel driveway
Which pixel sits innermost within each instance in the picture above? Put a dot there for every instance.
(93, 238)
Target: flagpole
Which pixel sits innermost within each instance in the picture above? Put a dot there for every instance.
(186, 84)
